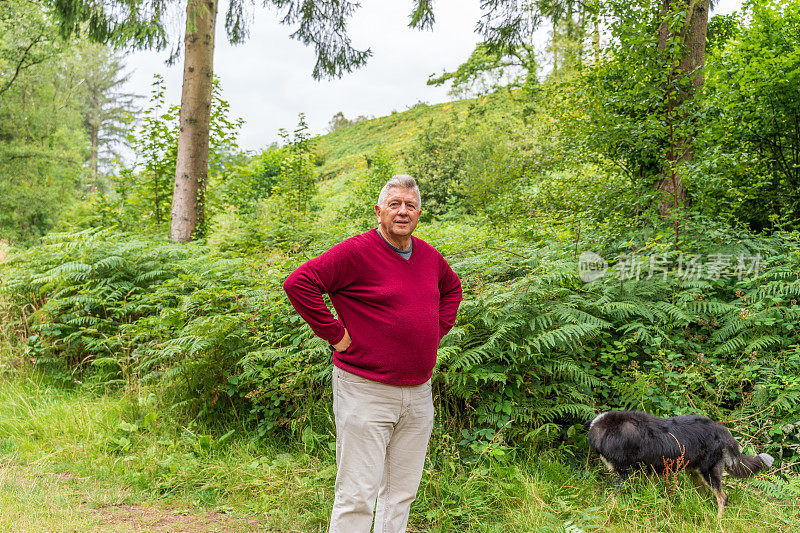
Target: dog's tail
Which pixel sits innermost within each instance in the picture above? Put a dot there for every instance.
(740, 465)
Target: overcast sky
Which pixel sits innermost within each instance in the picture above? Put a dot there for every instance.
(268, 82)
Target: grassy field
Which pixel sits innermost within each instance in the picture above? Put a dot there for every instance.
(81, 460)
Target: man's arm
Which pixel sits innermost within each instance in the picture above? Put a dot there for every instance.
(306, 285)
(449, 298)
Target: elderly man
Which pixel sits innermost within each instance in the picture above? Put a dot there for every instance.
(396, 297)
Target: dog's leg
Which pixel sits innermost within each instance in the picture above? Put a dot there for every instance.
(622, 475)
(715, 482)
(607, 464)
(698, 480)
(619, 475)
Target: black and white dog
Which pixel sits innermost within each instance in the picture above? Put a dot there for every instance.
(627, 439)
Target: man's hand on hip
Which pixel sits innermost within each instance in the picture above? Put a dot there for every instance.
(343, 344)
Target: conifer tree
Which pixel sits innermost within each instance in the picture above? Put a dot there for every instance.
(107, 110)
(144, 24)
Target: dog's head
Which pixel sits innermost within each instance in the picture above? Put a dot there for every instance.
(588, 422)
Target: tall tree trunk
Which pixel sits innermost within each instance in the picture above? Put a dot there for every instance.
(156, 199)
(555, 46)
(692, 35)
(695, 57)
(191, 172)
(94, 135)
(596, 40)
(580, 35)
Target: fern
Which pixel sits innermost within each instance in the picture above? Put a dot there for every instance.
(534, 350)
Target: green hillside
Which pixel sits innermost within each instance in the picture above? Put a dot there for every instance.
(344, 149)
(344, 152)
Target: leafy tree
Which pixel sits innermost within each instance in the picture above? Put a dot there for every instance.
(508, 56)
(268, 202)
(296, 182)
(156, 142)
(753, 144)
(509, 25)
(437, 160)
(721, 29)
(364, 189)
(27, 39)
(338, 121)
(464, 162)
(681, 43)
(641, 95)
(250, 180)
(42, 141)
(638, 107)
(570, 19)
(493, 166)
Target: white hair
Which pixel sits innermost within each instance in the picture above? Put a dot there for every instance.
(400, 181)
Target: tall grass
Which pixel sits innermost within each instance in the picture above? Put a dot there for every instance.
(68, 456)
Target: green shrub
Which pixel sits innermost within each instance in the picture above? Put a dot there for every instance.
(437, 162)
(535, 351)
(359, 212)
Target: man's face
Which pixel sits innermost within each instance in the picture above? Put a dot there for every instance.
(399, 214)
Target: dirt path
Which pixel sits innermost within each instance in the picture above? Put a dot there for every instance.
(124, 517)
(32, 499)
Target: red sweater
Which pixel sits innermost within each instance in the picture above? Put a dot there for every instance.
(396, 310)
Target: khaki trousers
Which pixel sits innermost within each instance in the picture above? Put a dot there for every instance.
(382, 435)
